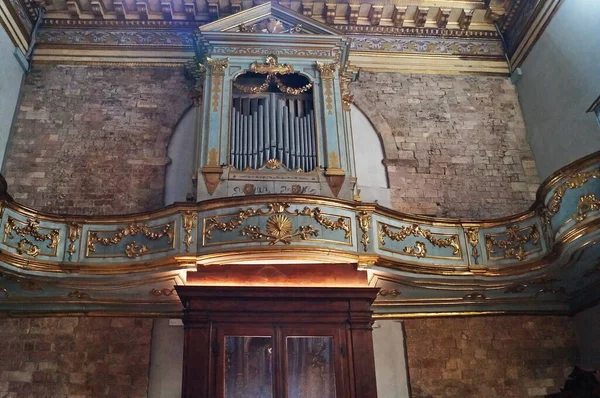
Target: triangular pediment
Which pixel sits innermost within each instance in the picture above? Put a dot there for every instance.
(269, 18)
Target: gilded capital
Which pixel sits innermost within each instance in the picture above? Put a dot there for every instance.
(217, 66)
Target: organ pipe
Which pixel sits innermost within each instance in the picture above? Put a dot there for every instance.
(272, 126)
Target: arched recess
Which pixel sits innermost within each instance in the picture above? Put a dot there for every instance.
(369, 153)
(178, 177)
(381, 127)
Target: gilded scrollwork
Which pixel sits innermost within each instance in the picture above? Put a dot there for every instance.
(573, 182)
(279, 230)
(472, 235)
(31, 229)
(364, 222)
(189, 223)
(513, 247)
(419, 249)
(340, 223)
(132, 250)
(212, 223)
(587, 203)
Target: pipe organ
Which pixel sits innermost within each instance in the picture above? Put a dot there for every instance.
(272, 126)
(275, 109)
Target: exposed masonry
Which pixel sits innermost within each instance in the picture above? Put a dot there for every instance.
(74, 357)
(454, 145)
(502, 356)
(93, 140)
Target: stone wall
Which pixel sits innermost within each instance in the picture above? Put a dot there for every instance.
(74, 357)
(93, 140)
(454, 145)
(492, 357)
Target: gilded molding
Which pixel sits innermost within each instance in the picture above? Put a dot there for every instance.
(31, 229)
(573, 182)
(132, 250)
(364, 222)
(418, 45)
(189, 223)
(419, 249)
(513, 247)
(587, 203)
(119, 38)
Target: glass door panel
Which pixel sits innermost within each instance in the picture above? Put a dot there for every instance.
(310, 367)
(248, 367)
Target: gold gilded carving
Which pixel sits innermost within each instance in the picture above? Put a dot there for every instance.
(514, 245)
(26, 247)
(271, 66)
(212, 171)
(32, 229)
(73, 235)
(389, 292)
(334, 160)
(419, 249)
(277, 223)
(364, 221)
(473, 239)
(213, 157)
(279, 229)
(217, 66)
(340, 223)
(189, 223)
(328, 83)
(347, 97)
(291, 90)
(327, 69)
(474, 296)
(576, 181)
(271, 25)
(132, 250)
(587, 203)
(79, 295)
(273, 164)
(163, 292)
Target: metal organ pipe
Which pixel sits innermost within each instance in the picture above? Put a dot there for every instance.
(272, 126)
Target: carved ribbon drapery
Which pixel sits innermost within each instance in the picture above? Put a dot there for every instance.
(419, 249)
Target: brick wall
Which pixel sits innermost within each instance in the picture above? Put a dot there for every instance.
(74, 357)
(454, 145)
(93, 140)
(491, 357)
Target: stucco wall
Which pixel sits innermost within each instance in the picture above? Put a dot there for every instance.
(11, 75)
(560, 81)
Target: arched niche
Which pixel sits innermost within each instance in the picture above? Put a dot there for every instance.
(178, 176)
(371, 174)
